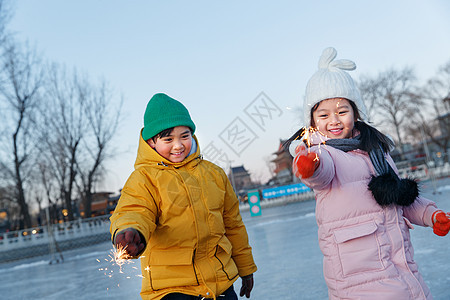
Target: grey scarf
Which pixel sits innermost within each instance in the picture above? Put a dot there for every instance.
(387, 188)
(376, 156)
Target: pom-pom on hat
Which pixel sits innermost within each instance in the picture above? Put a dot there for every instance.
(164, 112)
(332, 81)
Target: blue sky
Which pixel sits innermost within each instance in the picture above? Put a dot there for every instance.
(217, 57)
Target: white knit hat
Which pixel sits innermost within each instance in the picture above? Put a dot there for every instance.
(332, 81)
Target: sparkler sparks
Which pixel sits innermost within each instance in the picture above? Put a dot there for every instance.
(120, 257)
(309, 134)
(117, 257)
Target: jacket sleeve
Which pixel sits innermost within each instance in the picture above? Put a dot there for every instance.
(136, 207)
(421, 210)
(236, 232)
(324, 174)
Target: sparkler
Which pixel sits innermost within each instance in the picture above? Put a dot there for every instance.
(117, 257)
(120, 257)
(309, 136)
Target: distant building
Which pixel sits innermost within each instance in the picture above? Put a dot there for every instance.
(240, 179)
(112, 202)
(283, 166)
(100, 204)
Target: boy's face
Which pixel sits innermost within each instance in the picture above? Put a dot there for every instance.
(334, 118)
(174, 147)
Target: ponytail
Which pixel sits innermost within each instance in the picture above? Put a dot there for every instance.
(371, 138)
(297, 135)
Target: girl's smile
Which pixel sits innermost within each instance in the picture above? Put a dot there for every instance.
(334, 118)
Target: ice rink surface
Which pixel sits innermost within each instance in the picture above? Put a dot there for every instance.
(285, 248)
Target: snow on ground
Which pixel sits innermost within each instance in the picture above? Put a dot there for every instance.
(285, 247)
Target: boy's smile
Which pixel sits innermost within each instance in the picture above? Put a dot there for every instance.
(174, 147)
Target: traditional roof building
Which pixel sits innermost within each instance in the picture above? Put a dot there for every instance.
(283, 166)
(240, 178)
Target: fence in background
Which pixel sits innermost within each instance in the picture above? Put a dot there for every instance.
(53, 239)
(422, 172)
(57, 238)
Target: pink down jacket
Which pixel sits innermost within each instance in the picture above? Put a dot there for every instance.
(367, 249)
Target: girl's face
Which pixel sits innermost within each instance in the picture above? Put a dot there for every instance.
(334, 118)
(174, 147)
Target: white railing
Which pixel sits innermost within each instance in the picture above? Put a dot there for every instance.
(422, 172)
(40, 236)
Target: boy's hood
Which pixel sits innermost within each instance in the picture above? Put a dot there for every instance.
(147, 156)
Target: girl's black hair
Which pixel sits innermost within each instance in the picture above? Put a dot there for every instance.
(297, 135)
(371, 138)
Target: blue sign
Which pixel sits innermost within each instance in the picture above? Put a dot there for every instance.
(285, 190)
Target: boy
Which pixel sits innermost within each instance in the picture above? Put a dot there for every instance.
(179, 213)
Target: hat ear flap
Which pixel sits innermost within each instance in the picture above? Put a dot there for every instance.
(343, 64)
(327, 57)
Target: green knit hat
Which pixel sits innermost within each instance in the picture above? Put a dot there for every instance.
(163, 112)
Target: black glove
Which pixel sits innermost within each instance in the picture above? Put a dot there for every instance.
(130, 241)
(247, 285)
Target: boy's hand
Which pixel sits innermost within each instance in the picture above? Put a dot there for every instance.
(304, 163)
(247, 285)
(130, 241)
(441, 222)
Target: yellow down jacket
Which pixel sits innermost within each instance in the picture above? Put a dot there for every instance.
(189, 216)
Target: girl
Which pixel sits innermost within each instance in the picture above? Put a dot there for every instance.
(363, 210)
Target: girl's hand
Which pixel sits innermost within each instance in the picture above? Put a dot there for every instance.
(304, 163)
(441, 222)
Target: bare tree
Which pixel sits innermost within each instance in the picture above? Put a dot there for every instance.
(103, 119)
(370, 93)
(397, 98)
(5, 16)
(65, 126)
(21, 79)
(435, 118)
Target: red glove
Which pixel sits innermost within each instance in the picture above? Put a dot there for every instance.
(441, 222)
(130, 241)
(304, 163)
(247, 285)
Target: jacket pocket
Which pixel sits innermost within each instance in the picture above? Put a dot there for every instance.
(169, 268)
(227, 267)
(358, 248)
